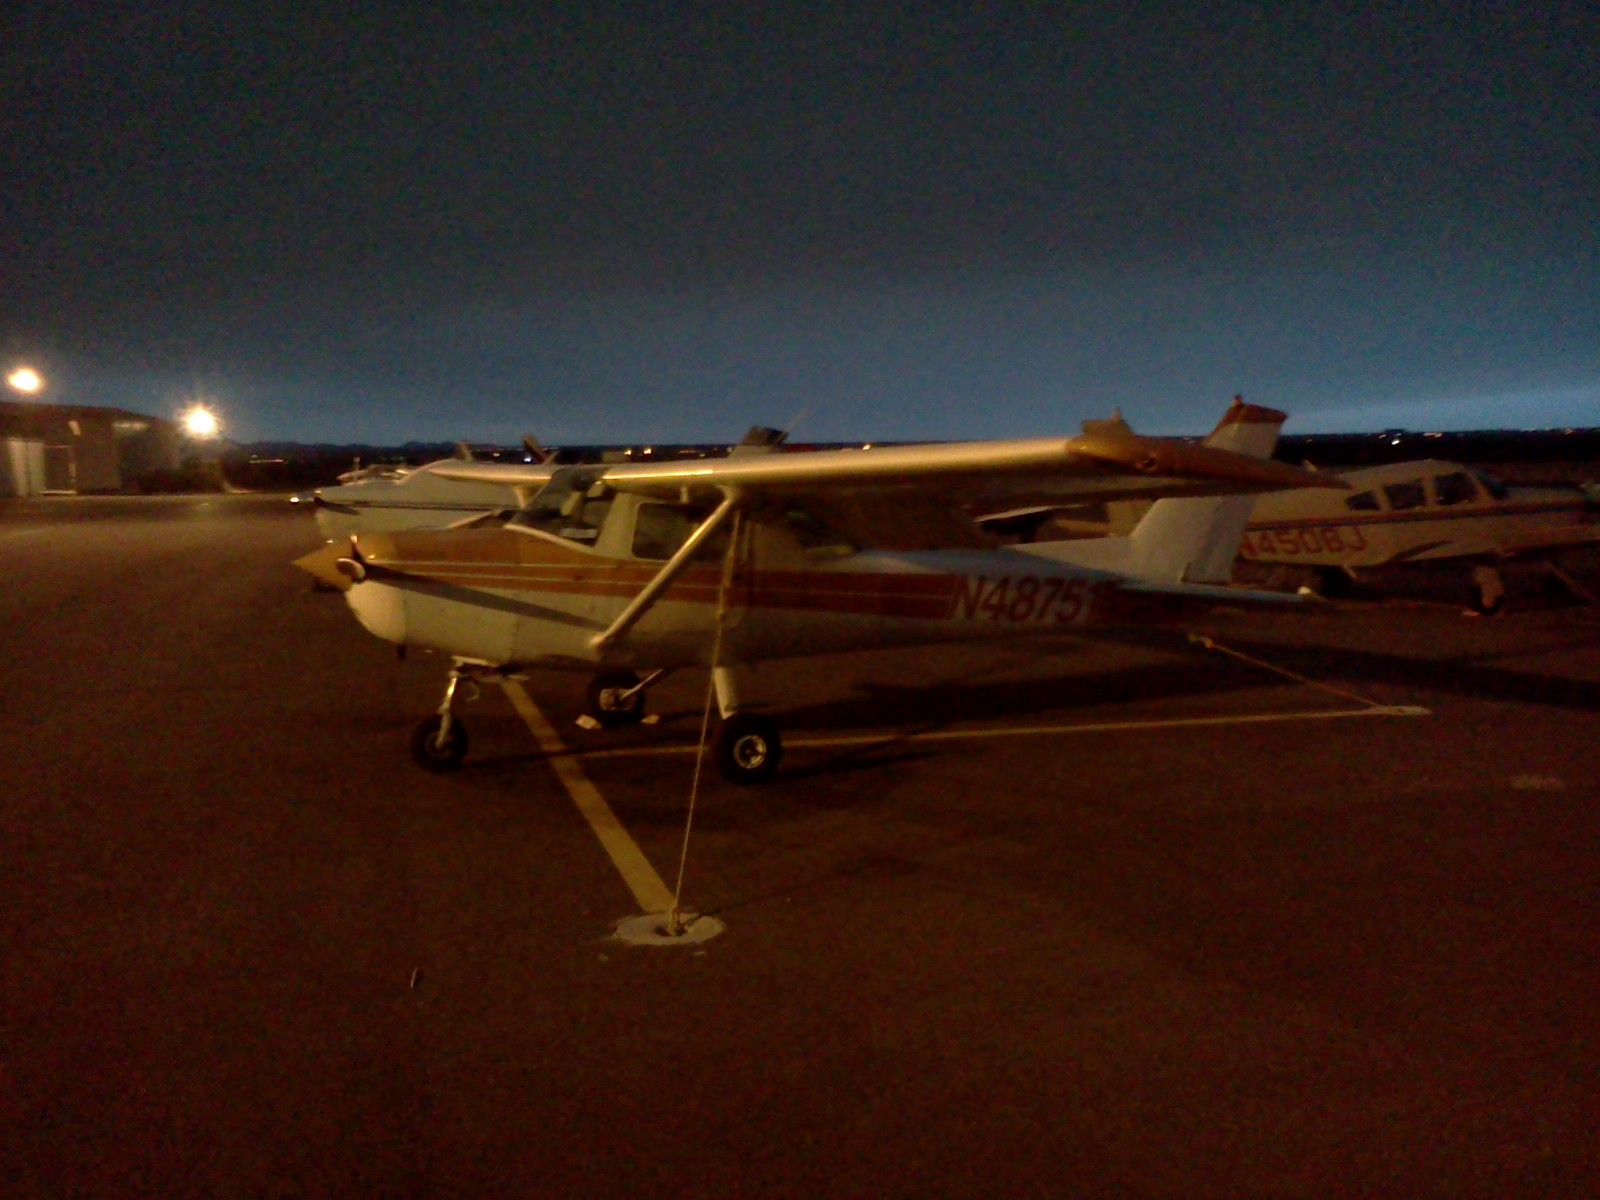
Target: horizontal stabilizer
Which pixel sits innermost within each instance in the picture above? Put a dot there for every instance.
(1194, 539)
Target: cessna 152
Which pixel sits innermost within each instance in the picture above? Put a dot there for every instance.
(1414, 512)
(649, 567)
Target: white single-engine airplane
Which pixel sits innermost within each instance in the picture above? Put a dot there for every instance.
(379, 498)
(435, 496)
(1415, 512)
(728, 562)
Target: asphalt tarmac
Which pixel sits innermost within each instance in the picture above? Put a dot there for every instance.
(1130, 918)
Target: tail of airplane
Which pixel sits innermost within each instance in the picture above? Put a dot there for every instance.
(1184, 540)
(1196, 540)
(761, 439)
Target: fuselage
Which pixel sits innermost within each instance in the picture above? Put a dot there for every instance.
(542, 592)
(509, 598)
(1409, 512)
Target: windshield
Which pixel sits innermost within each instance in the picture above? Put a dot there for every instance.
(565, 509)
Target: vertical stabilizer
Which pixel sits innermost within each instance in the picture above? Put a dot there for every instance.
(1196, 540)
(761, 439)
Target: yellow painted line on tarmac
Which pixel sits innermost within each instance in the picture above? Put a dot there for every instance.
(648, 889)
(959, 735)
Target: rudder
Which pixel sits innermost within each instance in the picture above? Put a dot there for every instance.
(1195, 540)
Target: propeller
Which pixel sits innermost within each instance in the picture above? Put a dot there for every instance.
(354, 566)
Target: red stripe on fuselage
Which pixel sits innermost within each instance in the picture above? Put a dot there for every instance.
(928, 597)
(1412, 515)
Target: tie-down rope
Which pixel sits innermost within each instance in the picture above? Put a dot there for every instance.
(1207, 643)
(675, 925)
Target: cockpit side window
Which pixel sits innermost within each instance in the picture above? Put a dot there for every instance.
(1454, 488)
(659, 530)
(1362, 502)
(1493, 486)
(1409, 494)
(812, 532)
(582, 521)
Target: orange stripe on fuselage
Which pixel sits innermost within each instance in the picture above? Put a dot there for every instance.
(929, 597)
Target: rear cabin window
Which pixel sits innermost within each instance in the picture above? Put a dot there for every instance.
(1362, 502)
(1454, 488)
(1405, 495)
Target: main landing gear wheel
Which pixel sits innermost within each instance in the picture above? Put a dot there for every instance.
(436, 748)
(616, 699)
(748, 748)
(1488, 590)
(1334, 582)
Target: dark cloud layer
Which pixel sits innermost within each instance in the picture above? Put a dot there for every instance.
(914, 221)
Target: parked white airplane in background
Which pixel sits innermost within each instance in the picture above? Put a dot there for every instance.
(729, 562)
(434, 496)
(1414, 512)
(378, 498)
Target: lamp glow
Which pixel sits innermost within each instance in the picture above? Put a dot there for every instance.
(200, 422)
(25, 380)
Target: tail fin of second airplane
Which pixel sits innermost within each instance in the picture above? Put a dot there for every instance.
(1196, 540)
(761, 439)
(1184, 539)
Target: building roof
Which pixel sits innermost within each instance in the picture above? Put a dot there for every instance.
(26, 416)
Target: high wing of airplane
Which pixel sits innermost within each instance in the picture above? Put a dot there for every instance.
(633, 570)
(1423, 511)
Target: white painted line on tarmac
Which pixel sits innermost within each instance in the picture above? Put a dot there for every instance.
(960, 735)
(648, 889)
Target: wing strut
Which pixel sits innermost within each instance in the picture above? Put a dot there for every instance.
(670, 570)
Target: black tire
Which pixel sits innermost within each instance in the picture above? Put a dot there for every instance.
(604, 705)
(433, 753)
(748, 748)
(1334, 582)
(1488, 589)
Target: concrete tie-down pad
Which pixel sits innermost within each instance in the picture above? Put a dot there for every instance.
(656, 929)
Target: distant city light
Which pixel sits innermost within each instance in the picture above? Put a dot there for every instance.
(25, 380)
(200, 422)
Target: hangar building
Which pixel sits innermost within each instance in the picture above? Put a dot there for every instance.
(63, 448)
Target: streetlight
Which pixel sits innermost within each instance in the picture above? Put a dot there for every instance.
(200, 422)
(25, 380)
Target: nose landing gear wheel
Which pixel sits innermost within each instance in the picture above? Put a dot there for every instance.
(435, 749)
(615, 699)
(748, 748)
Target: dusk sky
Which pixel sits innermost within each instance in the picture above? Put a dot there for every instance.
(640, 222)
